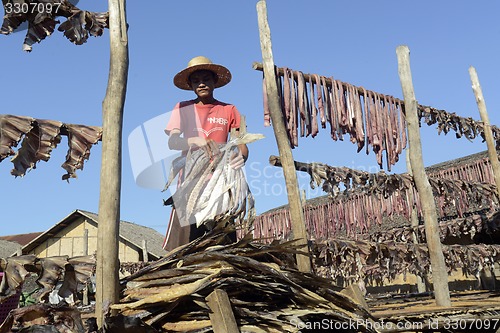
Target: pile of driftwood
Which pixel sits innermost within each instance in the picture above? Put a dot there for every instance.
(376, 262)
(266, 292)
(39, 137)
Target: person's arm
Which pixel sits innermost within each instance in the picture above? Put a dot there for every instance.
(176, 142)
(238, 160)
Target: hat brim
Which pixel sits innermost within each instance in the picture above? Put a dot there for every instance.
(181, 79)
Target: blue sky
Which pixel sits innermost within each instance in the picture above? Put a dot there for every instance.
(353, 41)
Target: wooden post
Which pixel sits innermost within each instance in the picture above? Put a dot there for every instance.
(285, 152)
(107, 264)
(144, 250)
(222, 316)
(86, 242)
(481, 104)
(439, 272)
(414, 219)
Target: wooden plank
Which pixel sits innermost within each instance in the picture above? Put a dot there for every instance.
(439, 271)
(481, 104)
(107, 265)
(145, 256)
(285, 152)
(86, 242)
(222, 316)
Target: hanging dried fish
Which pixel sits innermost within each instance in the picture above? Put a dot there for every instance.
(37, 145)
(80, 139)
(12, 129)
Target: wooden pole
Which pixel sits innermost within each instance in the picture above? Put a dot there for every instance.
(285, 152)
(86, 242)
(222, 316)
(145, 251)
(481, 104)
(414, 219)
(439, 271)
(107, 264)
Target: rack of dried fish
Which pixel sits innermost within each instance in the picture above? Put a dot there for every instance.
(370, 119)
(376, 262)
(266, 292)
(39, 137)
(369, 199)
(466, 228)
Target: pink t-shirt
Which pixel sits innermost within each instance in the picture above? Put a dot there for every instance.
(211, 121)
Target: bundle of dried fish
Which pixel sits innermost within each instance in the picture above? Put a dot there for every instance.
(211, 188)
(42, 19)
(266, 293)
(50, 271)
(43, 318)
(15, 271)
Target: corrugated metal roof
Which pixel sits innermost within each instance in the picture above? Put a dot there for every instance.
(22, 239)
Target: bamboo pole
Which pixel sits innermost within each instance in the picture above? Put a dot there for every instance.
(439, 271)
(285, 152)
(107, 264)
(481, 104)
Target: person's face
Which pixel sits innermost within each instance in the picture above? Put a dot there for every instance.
(203, 83)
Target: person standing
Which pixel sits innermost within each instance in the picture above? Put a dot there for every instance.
(200, 123)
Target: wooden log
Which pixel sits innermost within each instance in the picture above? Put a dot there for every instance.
(107, 266)
(439, 272)
(296, 212)
(481, 104)
(222, 316)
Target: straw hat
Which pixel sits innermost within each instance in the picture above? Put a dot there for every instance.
(181, 79)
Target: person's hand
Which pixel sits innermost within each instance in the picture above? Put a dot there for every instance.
(237, 160)
(208, 145)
